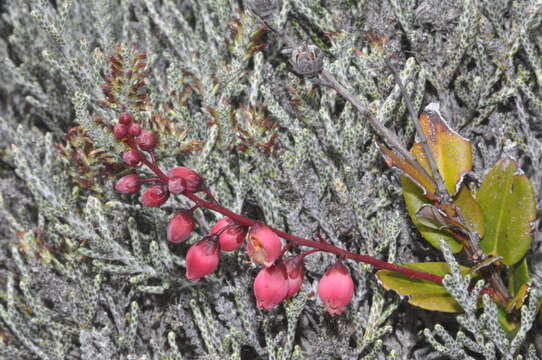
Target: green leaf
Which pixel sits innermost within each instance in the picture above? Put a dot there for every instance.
(517, 276)
(509, 208)
(422, 293)
(471, 211)
(414, 200)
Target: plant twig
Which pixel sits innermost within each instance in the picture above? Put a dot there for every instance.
(378, 264)
(442, 194)
(387, 135)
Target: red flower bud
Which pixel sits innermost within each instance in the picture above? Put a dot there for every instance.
(120, 131)
(154, 195)
(180, 227)
(193, 181)
(134, 129)
(271, 286)
(336, 288)
(295, 272)
(232, 238)
(128, 184)
(126, 118)
(176, 185)
(263, 245)
(147, 140)
(202, 258)
(131, 157)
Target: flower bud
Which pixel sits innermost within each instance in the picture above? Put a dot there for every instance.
(202, 258)
(125, 118)
(336, 288)
(295, 272)
(134, 129)
(154, 195)
(176, 185)
(131, 157)
(147, 140)
(128, 184)
(263, 245)
(193, 181)
(271, 286)
(120, 131)
(231, 238)
(180, 227)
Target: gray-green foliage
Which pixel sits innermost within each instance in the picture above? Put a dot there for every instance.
(88, 274)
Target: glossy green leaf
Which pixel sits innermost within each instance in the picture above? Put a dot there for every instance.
(422, 293)
(517, 276)
(509, 207)
(471, 211)
(414, 200)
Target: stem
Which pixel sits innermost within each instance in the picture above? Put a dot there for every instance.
(389, 137)
(379, 264)
(150, 164)
(442, 194)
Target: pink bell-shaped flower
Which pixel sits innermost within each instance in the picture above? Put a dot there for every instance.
(202, 258)
(154, 195)
(128, 184)
(263, 245)
(193, 181)
(180, 227)
(295, 272)
(336, 288)
(232, 238)
(271, 286)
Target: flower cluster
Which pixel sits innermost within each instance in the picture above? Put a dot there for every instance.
(279, 279)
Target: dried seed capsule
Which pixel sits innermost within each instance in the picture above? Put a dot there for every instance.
(307, 60)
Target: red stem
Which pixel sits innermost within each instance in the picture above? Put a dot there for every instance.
(322, 246)
(379, 264)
